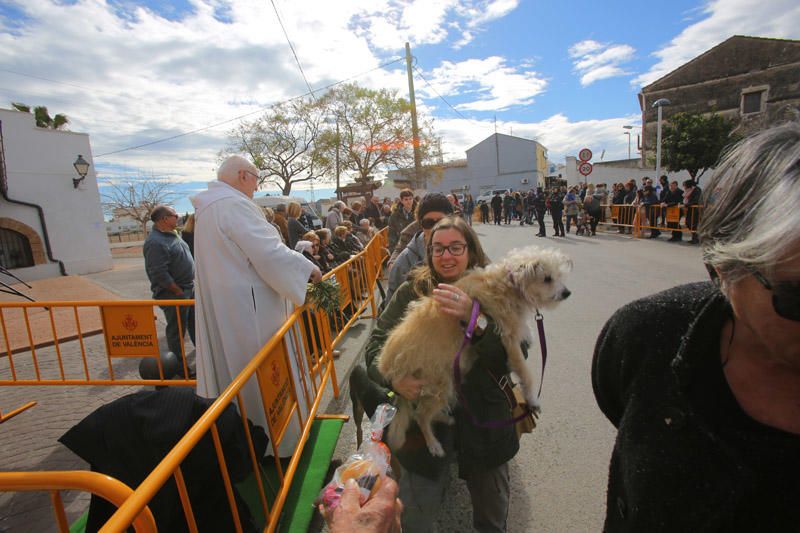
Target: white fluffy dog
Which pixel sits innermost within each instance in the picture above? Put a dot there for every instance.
(424, 344)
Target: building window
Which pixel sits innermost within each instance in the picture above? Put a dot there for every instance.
(15, 250)
(754, 100)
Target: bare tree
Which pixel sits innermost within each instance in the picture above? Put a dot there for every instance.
(137, 198)
(283, 144)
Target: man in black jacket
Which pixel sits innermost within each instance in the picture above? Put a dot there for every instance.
(540, 206)
(497, 208)
(692, 203)
(671, 198)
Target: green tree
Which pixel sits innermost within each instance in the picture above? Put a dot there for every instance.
(374, 131)
(283, 144)
(42, 116)
(694, 142)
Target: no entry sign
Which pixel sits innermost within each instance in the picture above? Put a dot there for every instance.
(585, 155)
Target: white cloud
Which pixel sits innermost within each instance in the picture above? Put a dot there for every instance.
(490, 83)
(560, 136)
(595, 61)
(725, 18)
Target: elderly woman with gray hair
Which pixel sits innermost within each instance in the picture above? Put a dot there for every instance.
(707, 406)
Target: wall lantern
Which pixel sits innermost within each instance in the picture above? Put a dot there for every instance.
(82, 168)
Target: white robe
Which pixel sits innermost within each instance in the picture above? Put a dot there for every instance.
(247, 283)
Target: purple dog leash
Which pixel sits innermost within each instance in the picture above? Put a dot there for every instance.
(492, 424)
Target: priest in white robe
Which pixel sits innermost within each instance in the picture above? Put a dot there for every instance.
(247, 283)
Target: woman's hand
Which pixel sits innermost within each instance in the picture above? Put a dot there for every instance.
(453, 301)
(409, 387)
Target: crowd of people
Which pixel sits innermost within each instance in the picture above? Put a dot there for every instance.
(585, 206)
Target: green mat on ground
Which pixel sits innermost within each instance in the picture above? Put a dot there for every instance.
(311, 471)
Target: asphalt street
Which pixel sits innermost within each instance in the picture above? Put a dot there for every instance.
(559, 476)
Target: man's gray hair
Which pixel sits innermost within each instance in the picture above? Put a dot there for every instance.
(160, 211)
(231, 167)
(750, 219)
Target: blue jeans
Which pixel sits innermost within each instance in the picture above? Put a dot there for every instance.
(174, 340)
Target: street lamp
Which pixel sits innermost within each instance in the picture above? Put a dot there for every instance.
(658, 104)
(82, 168)
(628, 133)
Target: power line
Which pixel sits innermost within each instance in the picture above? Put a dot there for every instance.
(437, 93)
(291, 46)
(251, 112)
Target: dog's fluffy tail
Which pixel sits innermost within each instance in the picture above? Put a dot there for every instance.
(396, 436)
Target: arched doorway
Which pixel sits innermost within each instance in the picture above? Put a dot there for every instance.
(15, 250)
(20, 245)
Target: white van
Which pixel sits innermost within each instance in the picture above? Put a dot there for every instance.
(487, 196)
(273, 201)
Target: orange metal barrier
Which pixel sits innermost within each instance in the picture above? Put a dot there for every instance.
(104, 486)
(635, 219)
(295, 364)
(130, 332)
(15, 412)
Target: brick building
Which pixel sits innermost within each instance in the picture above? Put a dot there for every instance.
(752, 80)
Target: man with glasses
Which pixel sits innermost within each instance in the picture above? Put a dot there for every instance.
(433, 207)
(170, 269)
(248, 284)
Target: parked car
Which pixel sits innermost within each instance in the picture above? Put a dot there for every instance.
(273, 201)
(487, 197)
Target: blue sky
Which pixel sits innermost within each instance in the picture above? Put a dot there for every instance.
(563, 73)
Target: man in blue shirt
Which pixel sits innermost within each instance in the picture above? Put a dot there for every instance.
(170, 269)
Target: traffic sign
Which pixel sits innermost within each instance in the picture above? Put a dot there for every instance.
(585, 168)
(585, 155)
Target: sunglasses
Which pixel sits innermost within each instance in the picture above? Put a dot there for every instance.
(428, 223)
(785, 296)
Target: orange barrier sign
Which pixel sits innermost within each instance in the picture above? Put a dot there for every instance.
(130, 331)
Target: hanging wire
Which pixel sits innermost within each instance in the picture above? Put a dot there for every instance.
(260, 110)
(291, 46)
(437, 93)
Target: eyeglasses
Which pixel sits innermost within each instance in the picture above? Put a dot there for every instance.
(252, 174)
(785, 296)
(456, 249)
(428, 223)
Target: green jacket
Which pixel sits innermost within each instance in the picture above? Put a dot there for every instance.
(477, 447)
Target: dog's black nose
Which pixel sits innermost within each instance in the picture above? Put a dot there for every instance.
(565, 294)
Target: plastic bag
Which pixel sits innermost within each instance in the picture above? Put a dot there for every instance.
(366, 467)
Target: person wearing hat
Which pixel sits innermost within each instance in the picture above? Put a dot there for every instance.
(433, 207)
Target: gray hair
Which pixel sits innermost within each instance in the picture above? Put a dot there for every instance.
(749, 221)
(232, 165)
(160, 211)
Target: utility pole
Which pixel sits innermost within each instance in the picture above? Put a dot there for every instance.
(414, 127)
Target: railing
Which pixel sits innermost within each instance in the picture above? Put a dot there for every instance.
(295, 364)
(129, 328)
(634, 219)
(104, 486)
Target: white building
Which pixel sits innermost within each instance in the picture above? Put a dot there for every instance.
(48, 226)
(498, 162)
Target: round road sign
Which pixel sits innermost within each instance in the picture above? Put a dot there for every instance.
(585, 155)
(585, 168)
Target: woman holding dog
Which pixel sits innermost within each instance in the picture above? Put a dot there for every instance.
(483, 454)
(708, 410)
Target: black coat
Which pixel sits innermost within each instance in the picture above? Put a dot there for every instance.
(673, 198)
(128, 437)
(686, 456)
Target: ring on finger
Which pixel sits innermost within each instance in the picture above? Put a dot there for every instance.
(456, 296)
